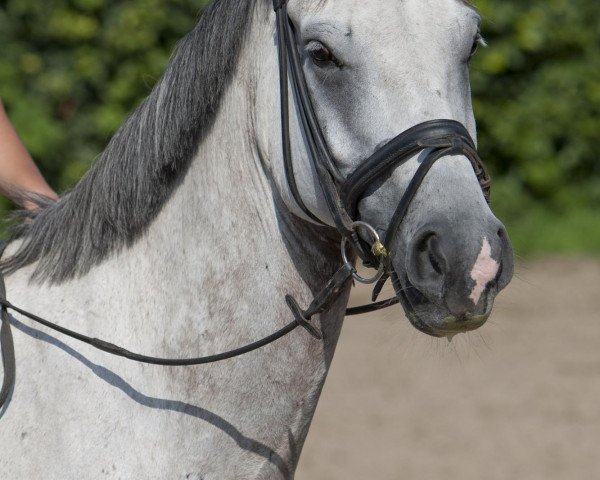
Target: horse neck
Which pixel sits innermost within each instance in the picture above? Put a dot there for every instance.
(227, 226)
(233, 253)
(210, 274)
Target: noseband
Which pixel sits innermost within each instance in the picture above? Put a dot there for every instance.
(440, 138)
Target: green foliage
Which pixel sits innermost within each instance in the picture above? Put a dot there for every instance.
(537, 101)
(537, 91)
(70, 71)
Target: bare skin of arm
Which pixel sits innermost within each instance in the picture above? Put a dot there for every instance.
(18, 172)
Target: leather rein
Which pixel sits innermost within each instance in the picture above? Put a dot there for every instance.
(342, 195)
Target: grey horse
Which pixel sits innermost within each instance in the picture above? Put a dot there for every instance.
(184, 238)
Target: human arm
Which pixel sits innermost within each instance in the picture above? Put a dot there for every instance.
(18, 172)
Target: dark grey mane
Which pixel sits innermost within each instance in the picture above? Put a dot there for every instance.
(146, 159)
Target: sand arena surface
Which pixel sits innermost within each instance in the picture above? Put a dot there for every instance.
(517, 399)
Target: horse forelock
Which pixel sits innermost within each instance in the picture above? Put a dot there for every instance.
(145, 161)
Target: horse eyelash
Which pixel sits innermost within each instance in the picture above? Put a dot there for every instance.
(480, 40)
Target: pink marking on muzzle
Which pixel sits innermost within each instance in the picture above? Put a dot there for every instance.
(484, 271)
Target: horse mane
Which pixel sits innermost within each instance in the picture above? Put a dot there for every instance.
(144, 162)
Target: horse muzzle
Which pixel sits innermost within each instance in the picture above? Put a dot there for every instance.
(447, 281)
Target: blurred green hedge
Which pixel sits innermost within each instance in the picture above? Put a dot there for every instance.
(536, 92)
(70, 70)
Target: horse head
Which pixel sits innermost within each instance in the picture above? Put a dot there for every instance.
(371, 71)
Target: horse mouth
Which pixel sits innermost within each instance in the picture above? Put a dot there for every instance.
(414, 303)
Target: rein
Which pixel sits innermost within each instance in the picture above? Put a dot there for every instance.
(6, 343)
(440, 138)
(301, 319)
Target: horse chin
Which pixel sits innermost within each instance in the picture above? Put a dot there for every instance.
(432, 319)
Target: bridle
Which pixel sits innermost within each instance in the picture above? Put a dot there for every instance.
(440, 138)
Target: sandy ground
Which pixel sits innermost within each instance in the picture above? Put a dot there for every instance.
(517, 399)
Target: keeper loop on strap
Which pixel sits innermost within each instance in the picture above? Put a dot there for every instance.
(301, 318)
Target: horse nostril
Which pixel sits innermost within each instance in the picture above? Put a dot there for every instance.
(423, 244)
(434, 254)
(429, 260)
(505, 272)
(434, 263)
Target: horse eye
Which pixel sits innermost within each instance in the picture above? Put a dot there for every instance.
(479, 40)
(320, 54)
(474, 48)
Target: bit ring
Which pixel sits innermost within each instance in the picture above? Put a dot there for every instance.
(376, 241)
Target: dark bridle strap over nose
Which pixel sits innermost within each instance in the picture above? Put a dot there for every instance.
(442, 137)
(448, 136)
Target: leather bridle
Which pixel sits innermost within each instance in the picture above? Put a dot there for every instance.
(440, 138)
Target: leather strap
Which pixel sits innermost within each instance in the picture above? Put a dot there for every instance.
(434, 134)
(285, 115)
(6, 343)
(302, 318)
(277, 4)
(319, 155)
